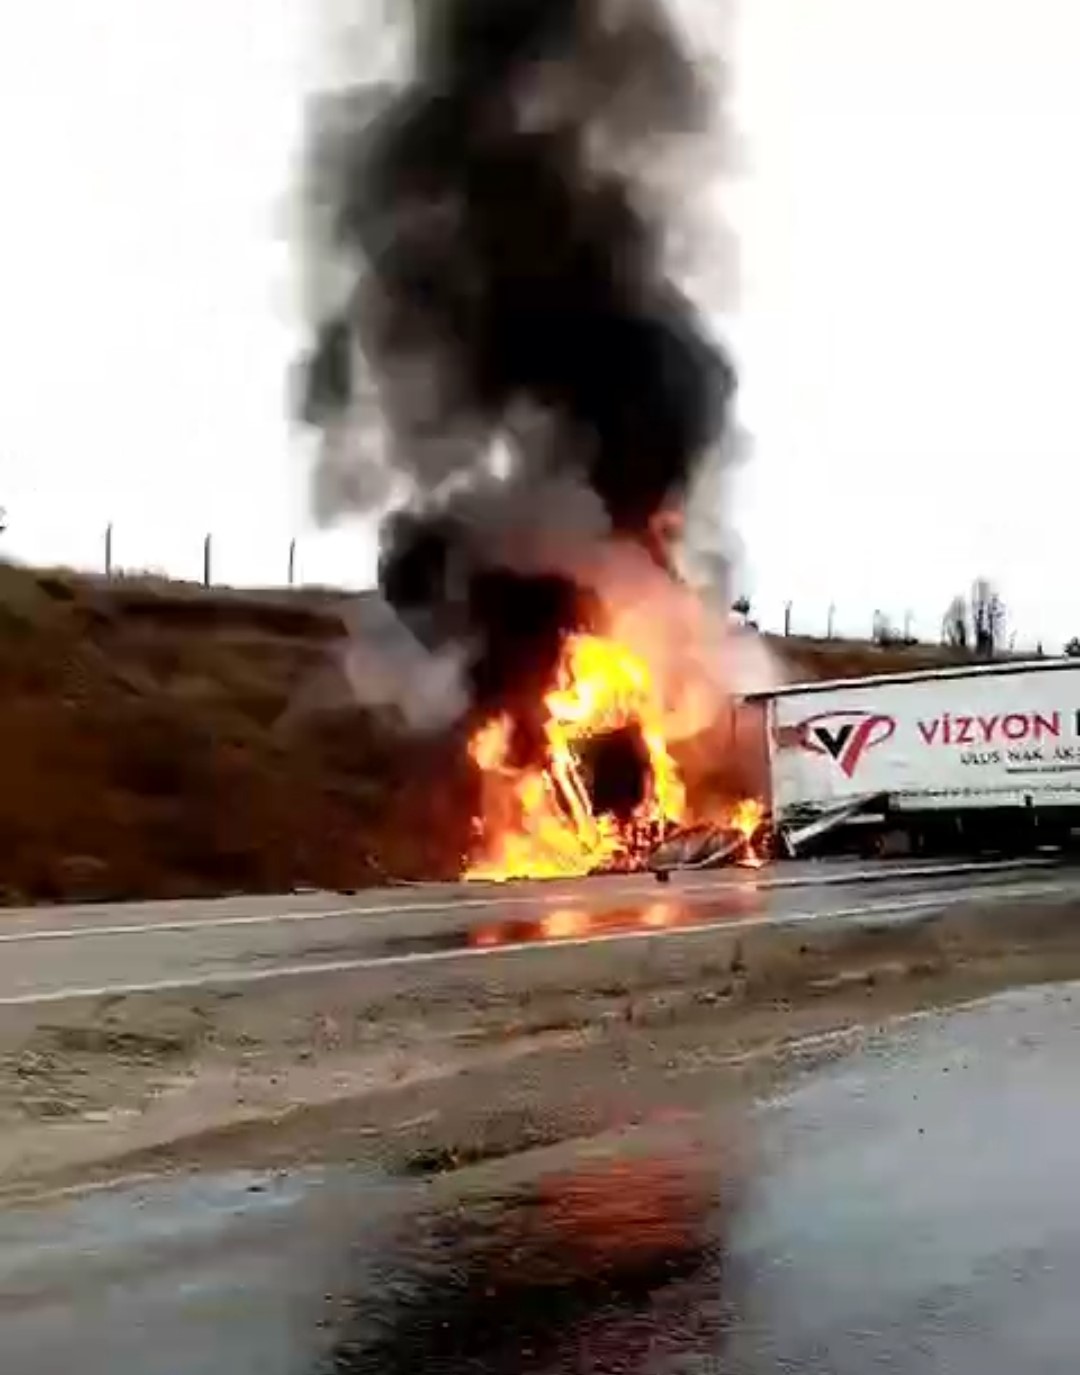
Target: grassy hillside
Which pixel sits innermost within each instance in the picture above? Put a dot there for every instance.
(158, 739)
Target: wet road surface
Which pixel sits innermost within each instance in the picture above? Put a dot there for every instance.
(914, 1208)
(52, 954)
(207, 1276)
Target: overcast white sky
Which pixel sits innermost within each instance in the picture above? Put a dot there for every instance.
(909, 229)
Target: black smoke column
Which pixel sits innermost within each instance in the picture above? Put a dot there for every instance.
(541, 382)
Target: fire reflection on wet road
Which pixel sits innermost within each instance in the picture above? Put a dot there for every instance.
(562, 1276)
(579, 923)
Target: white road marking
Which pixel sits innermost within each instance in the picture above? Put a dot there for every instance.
(752, 883)
(239, 977)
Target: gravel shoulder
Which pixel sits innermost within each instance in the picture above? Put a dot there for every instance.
(421, 1071)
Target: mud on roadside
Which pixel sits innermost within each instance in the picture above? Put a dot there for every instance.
(424, 1070)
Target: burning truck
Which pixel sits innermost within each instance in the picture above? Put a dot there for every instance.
(951, 760)
(956, 760)
(508, 370)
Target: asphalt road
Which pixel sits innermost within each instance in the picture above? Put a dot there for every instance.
(911, 1209)
(53, 953)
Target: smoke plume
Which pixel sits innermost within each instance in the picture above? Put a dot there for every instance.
(509, 369)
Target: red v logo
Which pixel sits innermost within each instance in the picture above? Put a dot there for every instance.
(843, 736)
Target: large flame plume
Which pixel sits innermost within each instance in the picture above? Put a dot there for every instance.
(540, 820)
(604, 787)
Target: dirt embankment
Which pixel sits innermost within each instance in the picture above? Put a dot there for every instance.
(158, 739)
(159, 742)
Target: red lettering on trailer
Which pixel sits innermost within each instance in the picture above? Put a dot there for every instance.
(948, 729)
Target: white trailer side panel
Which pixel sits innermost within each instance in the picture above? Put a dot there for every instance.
(975, 740)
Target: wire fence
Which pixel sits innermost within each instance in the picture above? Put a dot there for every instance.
(296, 563)
(237, 559)
(112, 570)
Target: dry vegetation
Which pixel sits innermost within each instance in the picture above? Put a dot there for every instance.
(810, 659)
(159, 740)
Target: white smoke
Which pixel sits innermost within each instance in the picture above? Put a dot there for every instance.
(386, 666)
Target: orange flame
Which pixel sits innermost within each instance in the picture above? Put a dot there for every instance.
(746, 817)
(539, 822)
